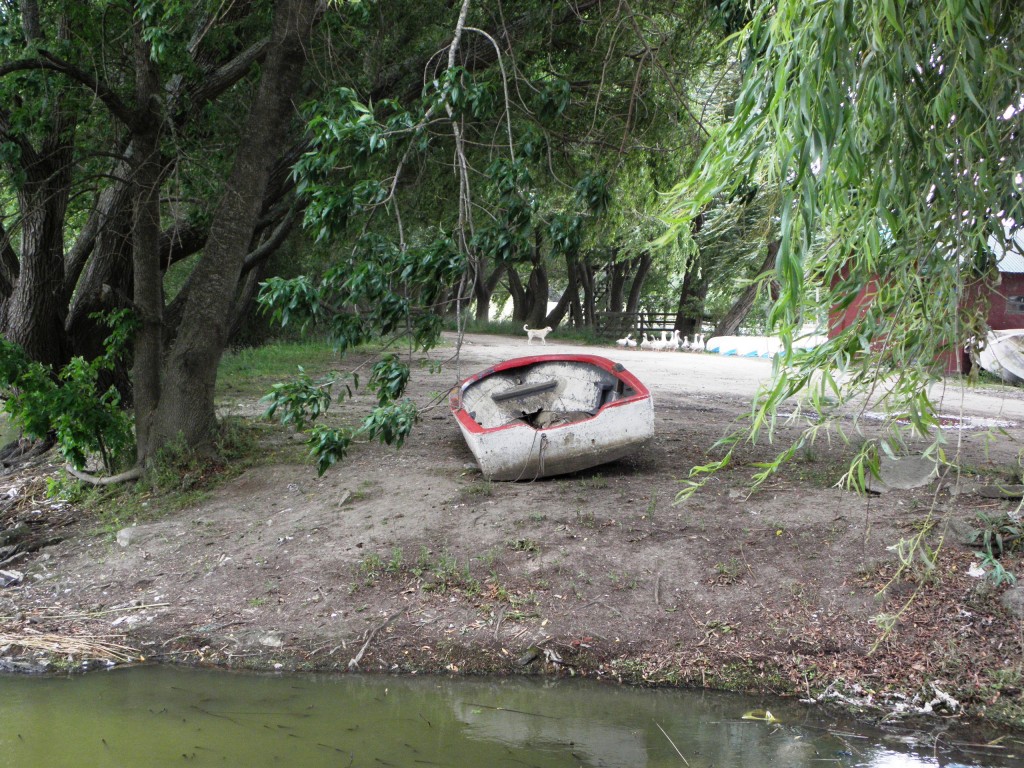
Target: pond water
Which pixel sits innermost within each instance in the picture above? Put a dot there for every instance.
(161, 716)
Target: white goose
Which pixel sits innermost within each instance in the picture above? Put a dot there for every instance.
(646, 343)
(626, 342)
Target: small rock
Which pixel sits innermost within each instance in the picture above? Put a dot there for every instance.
(127, 536)
(272, 639)
(902, 474)
(964, 488)
(11, 578)
(1013, 601)
(1008, 491)
(961, 531)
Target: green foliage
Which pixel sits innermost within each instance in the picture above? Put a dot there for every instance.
(994, 570)
(391, 423)
(328, 445)
(538, 204)
(302, 399)
(889, 135)
(251, 370)
(69, 403)
(388, 379)
(998, 534)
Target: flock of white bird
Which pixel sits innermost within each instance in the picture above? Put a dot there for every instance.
(675, 342)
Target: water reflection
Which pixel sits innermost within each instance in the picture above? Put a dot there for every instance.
(161, 716)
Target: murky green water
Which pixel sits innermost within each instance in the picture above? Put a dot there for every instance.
(161, 716)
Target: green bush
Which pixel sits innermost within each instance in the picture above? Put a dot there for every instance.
(68, 404)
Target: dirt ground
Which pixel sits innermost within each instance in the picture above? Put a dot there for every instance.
(408, 560)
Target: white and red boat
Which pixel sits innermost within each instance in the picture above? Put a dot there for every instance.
(1002, 354)
(551, 414)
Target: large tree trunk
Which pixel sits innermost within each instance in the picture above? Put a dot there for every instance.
(639, 278)
(148, 287)
(483, 289)
(537, 292)
(692, 293)
(185, 408)
(616, 282)
(34, 311)
(37, 304)
(520, 310)
(729, 324)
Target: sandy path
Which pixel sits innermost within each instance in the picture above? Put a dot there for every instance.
(677, 373)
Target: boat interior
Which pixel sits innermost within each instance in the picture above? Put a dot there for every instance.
(542, 395)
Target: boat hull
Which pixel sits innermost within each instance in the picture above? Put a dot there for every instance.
(1003, 355)
(551, 414)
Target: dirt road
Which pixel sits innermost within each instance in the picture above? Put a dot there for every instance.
(685, 374)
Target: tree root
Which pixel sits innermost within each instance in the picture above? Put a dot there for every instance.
(132, 474)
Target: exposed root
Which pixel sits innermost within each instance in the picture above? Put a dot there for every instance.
(132, 474)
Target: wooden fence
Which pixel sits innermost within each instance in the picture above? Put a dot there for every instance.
(618, 324)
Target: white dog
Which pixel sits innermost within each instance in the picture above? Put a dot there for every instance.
(536, 333)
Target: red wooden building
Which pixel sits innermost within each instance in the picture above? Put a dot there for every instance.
(1005, 300)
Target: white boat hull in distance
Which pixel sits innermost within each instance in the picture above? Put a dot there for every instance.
(551, 414)
(1003, 354)
(758, 346)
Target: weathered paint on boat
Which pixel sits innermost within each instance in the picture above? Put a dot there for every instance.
(1003, 354)
(551, 414)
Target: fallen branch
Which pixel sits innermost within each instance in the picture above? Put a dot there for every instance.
(132, 474)
(353, 663)
(681, 756)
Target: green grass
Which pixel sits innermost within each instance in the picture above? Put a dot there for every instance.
(253, 370)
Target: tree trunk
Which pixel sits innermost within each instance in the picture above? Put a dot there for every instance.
(148, 277)
(729, 324)
(692, 293)
(185, 408)
(537, 295)
(616, 283)
(588, 303)
(639, 278)
(34, 311)
(571, 292)
(37, 304)
(520, 311)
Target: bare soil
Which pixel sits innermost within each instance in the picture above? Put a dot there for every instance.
(408, 560)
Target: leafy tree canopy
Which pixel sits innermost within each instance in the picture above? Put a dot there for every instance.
(890, 131)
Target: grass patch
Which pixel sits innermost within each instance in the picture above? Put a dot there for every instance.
(253, 370)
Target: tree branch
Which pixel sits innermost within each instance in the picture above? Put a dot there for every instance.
(226, 75)
(272, 243)
(49, 62)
